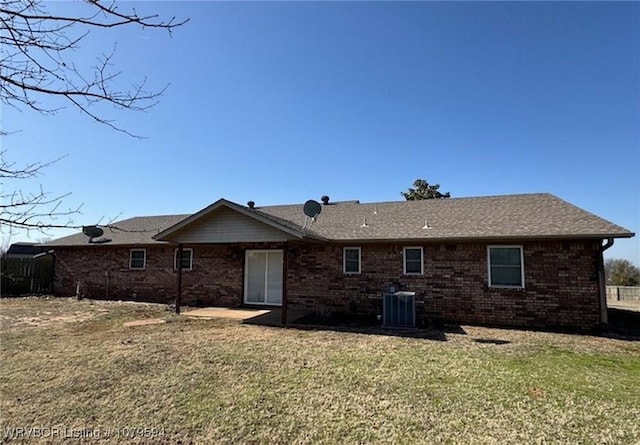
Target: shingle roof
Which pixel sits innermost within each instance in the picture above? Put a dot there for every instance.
(511, 216)
(526, 216)
(132, 231)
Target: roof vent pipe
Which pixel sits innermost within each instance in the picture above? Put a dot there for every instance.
(251, 204)
(325, 200)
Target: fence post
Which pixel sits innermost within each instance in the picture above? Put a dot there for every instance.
(618, 292)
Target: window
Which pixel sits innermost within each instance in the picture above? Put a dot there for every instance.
(413, 261)
(187, 259)
(137, 259)
(506, 266)
(351, 260)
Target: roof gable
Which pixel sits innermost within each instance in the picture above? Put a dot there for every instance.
(228, 222)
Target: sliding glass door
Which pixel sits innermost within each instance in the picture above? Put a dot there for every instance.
(263, 277)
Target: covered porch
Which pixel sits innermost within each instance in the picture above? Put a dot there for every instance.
(227, 255)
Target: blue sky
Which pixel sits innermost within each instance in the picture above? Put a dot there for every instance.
(280, 102)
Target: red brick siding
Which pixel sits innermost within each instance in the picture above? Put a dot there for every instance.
(561, 288)
(87, 266)
(216, 278)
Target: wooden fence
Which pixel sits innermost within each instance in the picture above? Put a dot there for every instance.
(22, 276)
(628, 294)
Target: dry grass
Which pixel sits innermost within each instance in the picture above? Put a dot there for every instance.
(73, 364)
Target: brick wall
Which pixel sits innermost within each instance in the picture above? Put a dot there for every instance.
(216, 278)
(226, 265)
(88, 266)
(561, 288)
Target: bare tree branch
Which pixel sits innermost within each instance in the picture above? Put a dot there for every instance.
(37, 62)
(29, 210)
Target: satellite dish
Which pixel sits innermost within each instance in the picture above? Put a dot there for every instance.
(312, 208)
(92, 231)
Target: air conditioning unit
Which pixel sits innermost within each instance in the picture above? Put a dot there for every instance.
(399, 309)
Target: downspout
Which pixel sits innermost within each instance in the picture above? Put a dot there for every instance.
(179, 265)
(602, 290)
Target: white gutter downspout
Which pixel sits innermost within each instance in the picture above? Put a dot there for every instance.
(602, 290)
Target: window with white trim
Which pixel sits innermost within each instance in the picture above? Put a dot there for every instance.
(351, 259)
(137, 259)
(413, 261)
(187, 259)
(506, 266)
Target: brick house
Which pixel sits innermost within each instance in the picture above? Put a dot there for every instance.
(529, 260)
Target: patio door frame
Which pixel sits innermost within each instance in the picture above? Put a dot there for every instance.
(266, 281)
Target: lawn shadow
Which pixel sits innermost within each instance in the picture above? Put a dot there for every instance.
(431, 332)
(451, 328)
(274, 317)
(491, 341)
(308, 320)
(624, 324)
(426, 334)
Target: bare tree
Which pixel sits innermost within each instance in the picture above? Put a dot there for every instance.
(36, 62)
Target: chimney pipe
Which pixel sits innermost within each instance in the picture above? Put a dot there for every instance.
(251, 204)
(325, 200)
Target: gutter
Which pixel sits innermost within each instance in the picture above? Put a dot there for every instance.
(483, 239)
(602, 290)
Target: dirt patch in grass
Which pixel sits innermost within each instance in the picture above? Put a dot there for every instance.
(36, 311)
(219, 381)
(147, 322)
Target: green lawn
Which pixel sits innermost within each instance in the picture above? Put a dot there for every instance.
(73, 365)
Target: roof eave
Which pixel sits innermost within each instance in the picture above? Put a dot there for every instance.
(113, 244)
(486, 238)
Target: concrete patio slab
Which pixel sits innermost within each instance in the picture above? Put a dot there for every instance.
(267, 317)
(225, 312)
